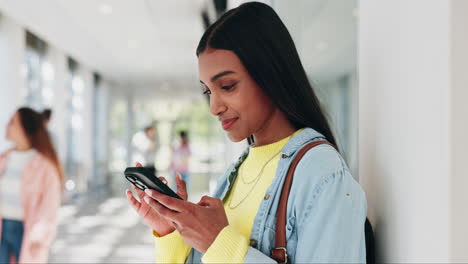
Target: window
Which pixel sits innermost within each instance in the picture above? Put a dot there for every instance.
(39, 73)
(99, 138)
(75, 126)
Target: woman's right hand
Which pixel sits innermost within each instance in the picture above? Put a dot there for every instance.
(150, 217)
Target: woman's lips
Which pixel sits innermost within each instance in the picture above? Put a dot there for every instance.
(228, 123)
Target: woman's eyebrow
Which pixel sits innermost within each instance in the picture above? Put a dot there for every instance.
(219, 75)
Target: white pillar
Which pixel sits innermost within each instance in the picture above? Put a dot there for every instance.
(60, 90)
(101, 142)
(12, 86)
(87, 136)
(130, 128)
(412, 127)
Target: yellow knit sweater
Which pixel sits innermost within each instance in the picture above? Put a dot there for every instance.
(255, 175)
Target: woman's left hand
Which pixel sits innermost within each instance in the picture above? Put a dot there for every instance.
(198, 224)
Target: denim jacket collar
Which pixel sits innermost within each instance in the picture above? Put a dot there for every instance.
(296, 142)
(293, 145)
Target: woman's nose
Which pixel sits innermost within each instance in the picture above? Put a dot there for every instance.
(217, 105)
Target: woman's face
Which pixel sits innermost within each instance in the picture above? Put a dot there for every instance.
(235, 98)
(15, 131)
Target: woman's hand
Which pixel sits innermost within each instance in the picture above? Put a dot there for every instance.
(150, 216)
(199, 224)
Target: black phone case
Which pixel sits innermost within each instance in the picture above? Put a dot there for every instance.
(143, 179)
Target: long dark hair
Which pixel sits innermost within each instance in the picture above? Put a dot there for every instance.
(33, 124)
(256, 34)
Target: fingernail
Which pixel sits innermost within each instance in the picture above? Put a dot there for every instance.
(148, 192)
(178, 176)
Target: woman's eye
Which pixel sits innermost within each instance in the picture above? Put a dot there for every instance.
(227, 87)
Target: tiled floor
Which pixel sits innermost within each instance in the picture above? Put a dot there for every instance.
(101, 231)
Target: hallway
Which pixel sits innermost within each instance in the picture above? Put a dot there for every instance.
(390, 76)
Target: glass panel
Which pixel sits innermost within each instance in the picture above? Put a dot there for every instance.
(39, 74)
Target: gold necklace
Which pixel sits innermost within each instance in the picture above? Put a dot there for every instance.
(261, 170)
(256, 179)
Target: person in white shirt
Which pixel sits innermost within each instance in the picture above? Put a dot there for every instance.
(145, 147)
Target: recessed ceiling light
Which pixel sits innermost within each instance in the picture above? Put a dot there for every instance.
(105, 9)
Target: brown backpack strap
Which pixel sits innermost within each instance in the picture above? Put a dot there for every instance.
(279, 253)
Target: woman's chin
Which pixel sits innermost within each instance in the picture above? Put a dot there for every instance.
(236, 137)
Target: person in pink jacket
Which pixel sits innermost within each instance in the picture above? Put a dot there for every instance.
(31, 182)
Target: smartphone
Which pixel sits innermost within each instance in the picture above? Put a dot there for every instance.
(144, 179)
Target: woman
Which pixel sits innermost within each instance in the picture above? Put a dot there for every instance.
(258, 89)
(181, 157)
(30, 182)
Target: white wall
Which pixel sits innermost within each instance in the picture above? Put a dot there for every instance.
(12, 86)
(413, 127)
(459, 131)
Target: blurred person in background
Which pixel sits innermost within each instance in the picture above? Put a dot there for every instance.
(258, 89)
(31, 182)
(145, 147)
(181, 157)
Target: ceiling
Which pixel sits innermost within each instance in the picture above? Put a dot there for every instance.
(147, 43)
(325, 33)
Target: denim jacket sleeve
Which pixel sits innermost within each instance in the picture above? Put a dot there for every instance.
(327, 208)
(256, 256)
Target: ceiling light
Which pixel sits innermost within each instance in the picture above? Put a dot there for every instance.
(105, 9)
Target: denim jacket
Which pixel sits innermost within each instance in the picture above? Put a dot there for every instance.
(326, 208)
